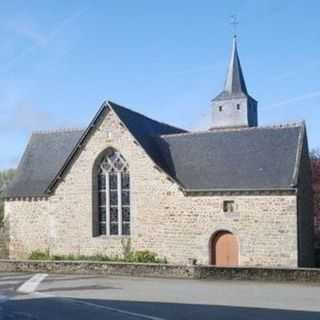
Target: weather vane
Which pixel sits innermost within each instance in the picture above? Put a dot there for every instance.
(234, 22)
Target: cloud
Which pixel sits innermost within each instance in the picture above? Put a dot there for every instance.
(297, 72)
(17, 124)
(25, 118)
(27, 29)
(38, 39)
(300, 98)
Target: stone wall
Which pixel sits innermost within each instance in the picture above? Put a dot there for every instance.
(225, 112)
(163, 218)
(28, 224)
(162, 270)
(258, 274)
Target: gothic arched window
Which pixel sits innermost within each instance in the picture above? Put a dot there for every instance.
(113, 195)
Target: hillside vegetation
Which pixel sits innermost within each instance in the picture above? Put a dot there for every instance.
(5, 177)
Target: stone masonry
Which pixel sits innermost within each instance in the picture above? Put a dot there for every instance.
(175, 225)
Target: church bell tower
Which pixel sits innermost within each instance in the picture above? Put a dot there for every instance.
(234, 107)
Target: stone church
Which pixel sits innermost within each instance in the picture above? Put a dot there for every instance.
(236, 194)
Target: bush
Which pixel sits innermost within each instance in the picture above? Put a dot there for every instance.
(71, 257)
(144, 256)
(39, 255)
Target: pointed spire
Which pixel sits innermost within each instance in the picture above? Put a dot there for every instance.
(235, 83)
(234, 107)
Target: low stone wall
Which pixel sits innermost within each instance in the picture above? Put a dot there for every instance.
(101, 268)
(162, 270)
(258, 274)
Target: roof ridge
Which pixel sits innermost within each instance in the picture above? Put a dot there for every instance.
(144, 116)
(48, 131)
(274, 126)
(268, 126)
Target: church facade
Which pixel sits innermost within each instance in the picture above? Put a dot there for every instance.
(236, 194)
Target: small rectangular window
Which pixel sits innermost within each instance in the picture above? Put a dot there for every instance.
(238, 106)
(220, 108)
(228, 206)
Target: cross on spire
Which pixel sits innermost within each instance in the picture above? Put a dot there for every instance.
(234, 22)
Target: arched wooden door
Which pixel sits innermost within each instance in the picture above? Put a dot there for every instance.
(224, 249)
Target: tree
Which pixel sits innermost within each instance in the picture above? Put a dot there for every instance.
(315, 166)
(5, 177)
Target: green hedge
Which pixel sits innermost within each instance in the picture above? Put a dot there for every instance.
(144, 256)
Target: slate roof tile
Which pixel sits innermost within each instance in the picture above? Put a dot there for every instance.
(43, 157)
(248, 158)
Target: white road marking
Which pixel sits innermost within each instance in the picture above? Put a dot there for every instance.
(132, 314)
(99, 306)
(31, 285)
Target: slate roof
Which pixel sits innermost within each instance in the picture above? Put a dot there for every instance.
(243, 159)
(145, 130)
(48, 154)
(43, 157)
(249, 158)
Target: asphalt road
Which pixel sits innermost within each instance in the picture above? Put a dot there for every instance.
(76, 297)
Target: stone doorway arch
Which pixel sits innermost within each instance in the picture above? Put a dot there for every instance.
(224, 249)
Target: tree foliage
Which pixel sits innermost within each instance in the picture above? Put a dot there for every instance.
(315, 166)
(5, 177)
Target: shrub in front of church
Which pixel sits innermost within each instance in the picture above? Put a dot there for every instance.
(39, 255)
(144, 256)
(71, 257)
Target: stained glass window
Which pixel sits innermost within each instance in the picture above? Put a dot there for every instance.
(113, 195)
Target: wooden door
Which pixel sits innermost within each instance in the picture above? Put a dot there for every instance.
(225, 250)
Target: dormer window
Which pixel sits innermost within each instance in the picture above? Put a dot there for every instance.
(220, 108)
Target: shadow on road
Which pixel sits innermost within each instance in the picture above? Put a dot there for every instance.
(93, 309)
